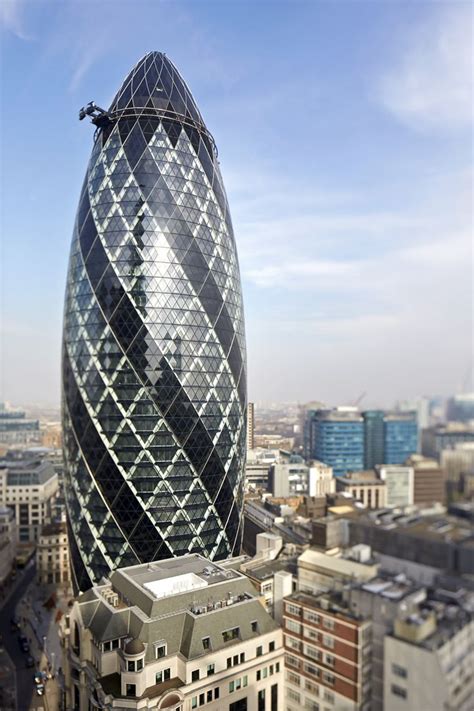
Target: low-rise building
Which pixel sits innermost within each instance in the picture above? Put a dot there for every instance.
(365, 486)
(319, 571)
(321, 479)
(429, 659)
(289, 478)
(52, 555)
(175, 634)
(429, 481)
(29, 486)
(328, 654)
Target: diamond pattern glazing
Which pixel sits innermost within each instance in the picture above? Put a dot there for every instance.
(154, 381)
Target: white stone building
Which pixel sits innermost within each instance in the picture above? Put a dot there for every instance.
(176, 634)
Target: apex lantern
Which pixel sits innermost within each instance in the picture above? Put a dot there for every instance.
(154, 374)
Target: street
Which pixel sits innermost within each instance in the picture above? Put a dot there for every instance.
(39, 627)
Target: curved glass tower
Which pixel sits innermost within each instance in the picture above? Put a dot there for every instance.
(154, 380)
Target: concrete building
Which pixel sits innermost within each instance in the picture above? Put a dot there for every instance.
(250, 425)
(289, 478)
(8, 544)
(364, 486)
(399, 481)
(52, 555)
(429, 481)
(440, 541)
(330, 532)
(29, 486)
(321, 480)
(458, 460)
(328, 654)
(319, 572)
(174, 634)
(382, 599)
(429, 659)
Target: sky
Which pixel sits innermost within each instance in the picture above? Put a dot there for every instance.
(345, 141)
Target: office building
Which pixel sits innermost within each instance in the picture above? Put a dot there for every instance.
(458, 460)
(338, 439)
(429, 657)
(399, 484)
(289, 478)
(52, 555)
(319, 571)
(321, 480)
(15, 429)
(154, 375)
(177, 635)
(400, 437)
(365, 487)
(460, 408)
(439, 437)
(374, 442)
(250, 425)
(328, 654)
(29, 487)
(429, 481)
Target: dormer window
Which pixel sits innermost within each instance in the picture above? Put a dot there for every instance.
(229, 635)
(160, 649)
(206, 642)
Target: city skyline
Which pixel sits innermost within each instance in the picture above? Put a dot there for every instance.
(354, 226)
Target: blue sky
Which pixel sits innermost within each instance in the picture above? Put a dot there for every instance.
(345, 138)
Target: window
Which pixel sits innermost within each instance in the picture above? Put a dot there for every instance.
(312, 688)
(211, 669)
(229, 662)
(311, 616)
(162, 676)
(139, 664)
(292, 661)
(106, 646)
(399, 691)
(160, 650)
(293, 695)
(209, 696)
(293, 678)
(293, 626)
(231, 634)
(293, 610)
(242, 657)
(311, 669)
(292, 643)
(261, 700)
(328, 623)
(254, 625)
(259, 651)
(130, 690)
(202, 699)
(194, 702)
(328, 641)
(277, 668)
(310, 633)
(328, 696)
(240, 705)
(131, 666)
(195, 675)
(274, 697)
(399, 671)
(311, 705)
(271, 647)
(206, 642)
(231, 686)
(259, 674)
(115, 644)
(271, 669)
(216, 693)
(329, 678)
(235, 660)
(329, 660)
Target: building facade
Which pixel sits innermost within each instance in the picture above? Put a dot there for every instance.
(16, 429)
(338, 439)
(175, 635)
(374, 444)
(52, 555)
(250, 425)
(29, 487)
(400, 437)
(8, 544)
(399, 481)
(154, 375)
(429, 481)
(365, 487)
(327, 654)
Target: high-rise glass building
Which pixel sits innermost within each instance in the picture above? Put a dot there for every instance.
(373, 438)
(400, 437)
(338, 439)
(154, 374)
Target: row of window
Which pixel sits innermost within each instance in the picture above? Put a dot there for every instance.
(310, 616)
(294, 662)
(310, 686)
(265, 671)
(205, 698)
(325, 639)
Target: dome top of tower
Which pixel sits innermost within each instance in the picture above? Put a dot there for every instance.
(154, 83)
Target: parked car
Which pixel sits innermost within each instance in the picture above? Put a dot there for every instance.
(29, 662)
(14, 623)
(23, 642)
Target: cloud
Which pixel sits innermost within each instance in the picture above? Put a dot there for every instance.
(430, 84)
(11, 18)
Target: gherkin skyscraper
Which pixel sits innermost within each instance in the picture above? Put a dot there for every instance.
(154, 374)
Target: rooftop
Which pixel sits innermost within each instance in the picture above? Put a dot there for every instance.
(329, 602)
(27, 471)
(391, 587)
(443, 528)
(367, 477)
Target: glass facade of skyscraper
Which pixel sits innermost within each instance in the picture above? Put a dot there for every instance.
(154, 375)
(373, 438)
(338, 440)
(400, 438)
